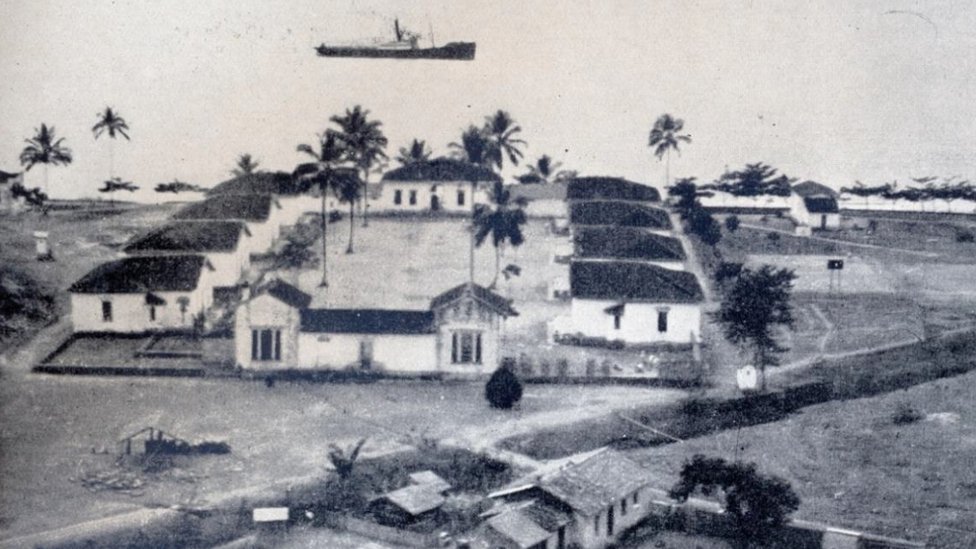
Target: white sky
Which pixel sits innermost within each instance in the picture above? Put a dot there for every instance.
(833, 90)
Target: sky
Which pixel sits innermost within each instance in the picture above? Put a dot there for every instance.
(838, 92)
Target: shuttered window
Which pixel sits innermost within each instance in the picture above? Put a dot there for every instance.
(266, 345)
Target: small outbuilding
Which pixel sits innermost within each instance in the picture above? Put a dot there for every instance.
(261, 213)
(815, 205)
(407, 505)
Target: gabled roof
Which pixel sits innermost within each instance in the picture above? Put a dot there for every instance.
(170, 273)
(7, 176)
(610, 188)
(626, 243)
(596, 482)
(820, 204)
(624, 214)
(415, 499)
(627, 281)
(286, 293)
(441, 169)
(487, 297)
(255, 208)
(812, 188)
(367, 321)
(279, 183)
(191, 236)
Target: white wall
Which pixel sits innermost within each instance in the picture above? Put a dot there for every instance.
(582, 529)
(670, 265)
(638, 323)
(130, 313)
(391, 352)
(726, 200)
(266, 312)
(446, 191)
(876, 203)
(547, 207)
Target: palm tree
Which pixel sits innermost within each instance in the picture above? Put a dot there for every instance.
(500, 129)
(111, 123)
(45, 148)
(365, 141)
(418, 151)
(665, 136)
(330, 154)
(347, 187)
(176, 186)
(503, 222)
(116, 184)
(246, 165)
(544, 170)
(474, 149)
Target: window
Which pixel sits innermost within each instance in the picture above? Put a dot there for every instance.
(106, 311)
(596, 525)
(623, 507)
(460, 198)
(466, 348)
(366, 354)
(413, 198)
(616, 321)
(662, 320)
(610, 521)
(266, 345)
(152, 313)
(398, 197)
(635, 498)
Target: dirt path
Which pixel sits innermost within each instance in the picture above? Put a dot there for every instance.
(21, 359)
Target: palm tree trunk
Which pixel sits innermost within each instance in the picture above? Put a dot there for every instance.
(667, 169)
(325, 234)
(366, 197)
(352, 224)
(111, 158)
(498, 265)
(761, 364)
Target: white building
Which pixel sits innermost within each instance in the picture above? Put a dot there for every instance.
(142, 294)
(458, 334)
(814, 205)
(636, 303)
(628, 244)
(588, 504)
(296, 198)
(262, 214)
(225, 244)
(438, 185)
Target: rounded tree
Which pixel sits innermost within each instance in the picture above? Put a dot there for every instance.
(503, 389)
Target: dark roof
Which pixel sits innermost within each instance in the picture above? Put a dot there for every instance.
(596, 482)
(610, 188)
(367, 321)
(286, 293)
(820, 204)
(618, 213)
(415, 499)
(258, 183)
(489, 298)
(629, 281)
(430, 479)
(519, 528)
(812, 188)
(171, 273)
(7, 176)
(246, 207)
(191, 236)
(626, 243)
(441, 169)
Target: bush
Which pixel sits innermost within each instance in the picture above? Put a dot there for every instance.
(773, 237)
(905, 413)
(503, 389)
(732, 223)
(727, 271)
(965, 235)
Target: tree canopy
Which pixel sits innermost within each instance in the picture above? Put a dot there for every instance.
(754, 180)
(503, 389)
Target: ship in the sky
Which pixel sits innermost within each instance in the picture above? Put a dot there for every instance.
(406, 46)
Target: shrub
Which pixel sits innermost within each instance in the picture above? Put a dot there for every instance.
(727, 270)
(773, 237)
(732, 223)
(905, 413)
(965, 235)
(503, 389)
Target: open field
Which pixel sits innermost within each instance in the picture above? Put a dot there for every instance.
(275, 433)
(853, 466)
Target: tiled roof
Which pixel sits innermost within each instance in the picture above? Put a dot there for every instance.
(812, 188)
(415, 499)
(171, 273)
(610, 188)
(286, 293)
(191, 236)
(626, 243)
(518, 528)
(595, 483)
(367, 321)
(820, 204)
(245, 207)
(632, 282)
(489, 298)
(7, 176)
(430, 479)
(623, 214)
(280, 183)
(441, 169)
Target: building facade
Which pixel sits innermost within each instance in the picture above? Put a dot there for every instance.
(431, 186)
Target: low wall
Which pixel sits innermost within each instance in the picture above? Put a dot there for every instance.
(387, 533)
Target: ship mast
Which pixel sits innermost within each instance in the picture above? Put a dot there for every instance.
(396, 28)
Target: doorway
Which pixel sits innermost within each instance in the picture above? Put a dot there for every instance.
(435, 203)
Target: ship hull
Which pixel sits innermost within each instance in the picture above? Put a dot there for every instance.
(458, 51)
